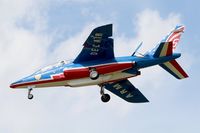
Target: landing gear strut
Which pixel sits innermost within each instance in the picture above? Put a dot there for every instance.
(104, 97)
(30, 96)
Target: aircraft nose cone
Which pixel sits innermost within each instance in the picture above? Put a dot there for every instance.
(13, 85)
(22, 82)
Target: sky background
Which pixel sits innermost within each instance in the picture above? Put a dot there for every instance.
(35, 33)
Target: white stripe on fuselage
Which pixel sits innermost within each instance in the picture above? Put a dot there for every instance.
(102, 79)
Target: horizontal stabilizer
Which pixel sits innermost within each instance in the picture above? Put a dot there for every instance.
(125, 90)
(175, 69)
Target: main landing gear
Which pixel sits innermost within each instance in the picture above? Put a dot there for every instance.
(30, 96)
(104, 97)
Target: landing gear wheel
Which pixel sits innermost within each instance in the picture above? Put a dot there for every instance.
(105, 98)
(30, 96)
(94, 74)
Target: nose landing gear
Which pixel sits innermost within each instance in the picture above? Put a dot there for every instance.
(30, 96)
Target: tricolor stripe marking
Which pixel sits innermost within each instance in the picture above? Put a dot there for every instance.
(175, 68)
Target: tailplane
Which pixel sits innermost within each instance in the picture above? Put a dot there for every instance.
(174, 69)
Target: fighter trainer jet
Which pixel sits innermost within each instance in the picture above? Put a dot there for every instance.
(97, 65)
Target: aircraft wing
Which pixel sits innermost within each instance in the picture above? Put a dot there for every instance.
(125, 90)
(98, 45)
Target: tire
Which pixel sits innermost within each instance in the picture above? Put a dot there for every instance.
(94, 74)
(30, 96)
(105, 98)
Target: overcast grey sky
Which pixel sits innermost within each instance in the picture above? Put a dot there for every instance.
(35, 33)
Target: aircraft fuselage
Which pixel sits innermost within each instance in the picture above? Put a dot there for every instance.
(76, 74)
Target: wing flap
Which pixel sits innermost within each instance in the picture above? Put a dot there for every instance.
(126, 90)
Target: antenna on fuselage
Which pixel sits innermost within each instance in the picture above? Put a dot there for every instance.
(137, 49)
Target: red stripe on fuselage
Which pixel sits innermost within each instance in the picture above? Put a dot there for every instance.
(35, 83)
(114, 67)
(76, 73)
(101, 69)
(58, 76)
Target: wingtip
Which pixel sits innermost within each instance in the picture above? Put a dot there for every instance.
(105, 25)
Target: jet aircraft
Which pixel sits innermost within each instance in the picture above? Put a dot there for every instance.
(97, 65)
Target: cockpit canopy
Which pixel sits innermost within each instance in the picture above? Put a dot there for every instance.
(60, 63)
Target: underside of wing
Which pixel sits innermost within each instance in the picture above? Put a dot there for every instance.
(125, 90)
(98, 45)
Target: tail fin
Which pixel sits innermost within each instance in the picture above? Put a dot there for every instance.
(166, 47)
(169, 43)
(175, 35)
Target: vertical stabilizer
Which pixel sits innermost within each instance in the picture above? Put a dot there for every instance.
(165, 48)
